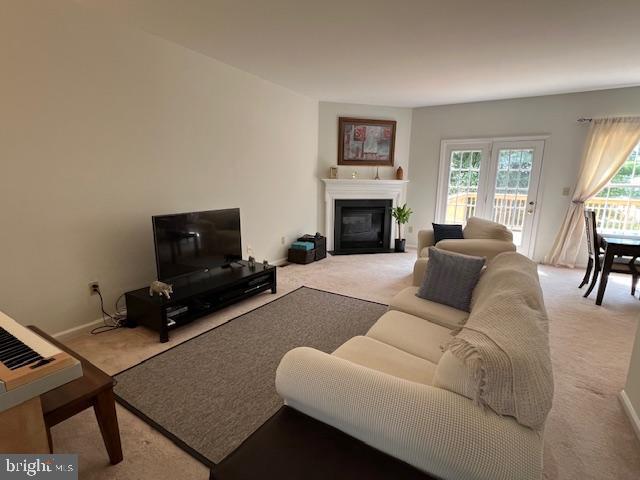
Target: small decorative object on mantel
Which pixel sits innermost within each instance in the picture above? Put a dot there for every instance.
(401, 216)
(252, 263)
(400, 173)
(333, 172)
(366, 142)
(161, 289)
(354, 175)
(265, 263)
(377, 177)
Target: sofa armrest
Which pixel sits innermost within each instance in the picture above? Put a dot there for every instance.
(425, 239)
(433, 429)
(477, 247)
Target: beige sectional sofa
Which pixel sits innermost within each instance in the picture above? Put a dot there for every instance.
(395, 390)
(482, 238)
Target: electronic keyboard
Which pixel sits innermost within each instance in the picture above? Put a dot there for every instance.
(30, 365)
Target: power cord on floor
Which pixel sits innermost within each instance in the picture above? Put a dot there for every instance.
(110, 322)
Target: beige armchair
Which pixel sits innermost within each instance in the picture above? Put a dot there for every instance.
(482, 238)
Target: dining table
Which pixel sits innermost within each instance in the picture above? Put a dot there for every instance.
(616, 246)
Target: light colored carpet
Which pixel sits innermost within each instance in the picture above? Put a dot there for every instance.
(588, 435)
(213, 391)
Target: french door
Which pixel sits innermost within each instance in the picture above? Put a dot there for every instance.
(496, 179)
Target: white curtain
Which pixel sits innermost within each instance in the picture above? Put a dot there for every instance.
(610, 141)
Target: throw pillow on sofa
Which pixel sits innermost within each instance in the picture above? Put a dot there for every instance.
(443, 231)
(450, 278)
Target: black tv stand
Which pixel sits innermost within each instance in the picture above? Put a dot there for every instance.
(198, 295)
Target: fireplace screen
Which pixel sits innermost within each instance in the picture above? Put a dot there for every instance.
(362, 226)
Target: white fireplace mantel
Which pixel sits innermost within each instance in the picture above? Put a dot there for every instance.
(342, 189)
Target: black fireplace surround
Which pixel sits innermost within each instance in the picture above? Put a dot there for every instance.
(362, 226)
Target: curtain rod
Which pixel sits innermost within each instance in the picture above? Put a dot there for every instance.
(585, 120)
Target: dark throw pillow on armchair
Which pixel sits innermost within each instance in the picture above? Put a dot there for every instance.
(442, 231)
(450, 278)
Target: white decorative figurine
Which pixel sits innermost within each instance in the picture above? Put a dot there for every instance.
(160, 288)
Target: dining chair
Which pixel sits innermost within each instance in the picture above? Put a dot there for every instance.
(596, 257)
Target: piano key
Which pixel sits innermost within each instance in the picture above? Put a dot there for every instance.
(26, 358)
(8, 341)
(16, 353)
(12, 352)
(28, 361)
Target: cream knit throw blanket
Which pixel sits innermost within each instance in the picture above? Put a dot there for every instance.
(504, 344)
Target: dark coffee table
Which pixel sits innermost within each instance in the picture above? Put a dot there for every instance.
(294, 446)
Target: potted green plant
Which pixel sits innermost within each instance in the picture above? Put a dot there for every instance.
(401, 216)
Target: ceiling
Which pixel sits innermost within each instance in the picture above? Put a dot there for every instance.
(407, 52)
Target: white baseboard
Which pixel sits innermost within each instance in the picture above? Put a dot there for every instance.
(87, 327)
(279, 262)
(630, 411)
(74, 331)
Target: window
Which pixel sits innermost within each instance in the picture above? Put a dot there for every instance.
(512, 189)
(464, 177)
(617, 205)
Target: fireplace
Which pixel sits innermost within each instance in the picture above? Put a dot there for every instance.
(362, 226)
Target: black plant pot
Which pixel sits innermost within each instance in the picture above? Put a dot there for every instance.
(400, 244)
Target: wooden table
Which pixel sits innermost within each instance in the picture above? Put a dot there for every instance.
(292, 446)
(93, 389)
(613, 246)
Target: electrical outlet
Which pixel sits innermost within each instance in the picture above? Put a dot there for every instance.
(94, 288)
(410, 229)
(283, 240)
(565, 191)
(249, 250)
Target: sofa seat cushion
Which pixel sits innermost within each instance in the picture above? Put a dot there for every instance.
(379, 356)
(412, 334)
(449, 317)
(477, 247)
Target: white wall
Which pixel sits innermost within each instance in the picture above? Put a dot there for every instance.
(555, 115)
(329, 113)
(632, 388)
(101, 127)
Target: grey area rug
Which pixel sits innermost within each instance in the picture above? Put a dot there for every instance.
(210, 393)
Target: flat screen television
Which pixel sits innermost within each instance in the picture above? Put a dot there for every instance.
(188, 243)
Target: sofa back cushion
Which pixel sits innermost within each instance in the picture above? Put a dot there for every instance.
(500, 358)
(485, 229)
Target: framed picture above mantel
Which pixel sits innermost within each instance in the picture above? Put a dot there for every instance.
(366, 142)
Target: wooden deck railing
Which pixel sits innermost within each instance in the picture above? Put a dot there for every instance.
(614, 215)
(507, 209)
